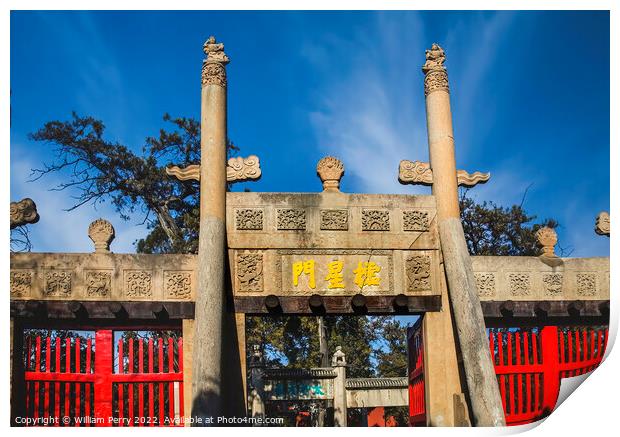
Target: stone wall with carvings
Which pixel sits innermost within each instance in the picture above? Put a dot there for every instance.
(529, 278)
(102, 276)
(331, 220)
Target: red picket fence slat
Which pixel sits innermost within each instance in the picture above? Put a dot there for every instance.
(417, 402)
(98, 383)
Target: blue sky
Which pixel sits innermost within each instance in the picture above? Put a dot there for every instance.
(530, 99)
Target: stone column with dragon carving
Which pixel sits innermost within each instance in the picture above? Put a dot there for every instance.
(486, 404)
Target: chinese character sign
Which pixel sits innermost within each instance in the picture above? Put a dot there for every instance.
(336, 274)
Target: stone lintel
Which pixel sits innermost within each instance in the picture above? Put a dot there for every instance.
(337, 305)
(85, 311)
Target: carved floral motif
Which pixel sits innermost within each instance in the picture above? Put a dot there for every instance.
(249, 271)
(552, 283)
(586, 284)
(138, 283)
(291, 220)
(178, 284)
(375, 220)
(436, 80)
(102, 233)
(418, 270)
(519, 284)
(547, 238)
(249, 219)
(21, 283)
(485, 283)
(213, 74)
(98, 283)
(330, 170)
(334, 220)
(415, 221)
(57, 283)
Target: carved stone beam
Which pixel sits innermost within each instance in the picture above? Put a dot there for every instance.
(23, 212)
(420, 173)
(237, 170)
(601, 227)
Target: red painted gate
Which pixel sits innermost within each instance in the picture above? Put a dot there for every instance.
(88, 379)
(529, 365)
(417, 408)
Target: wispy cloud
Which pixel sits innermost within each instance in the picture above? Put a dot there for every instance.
(372, 113)
(368, 114)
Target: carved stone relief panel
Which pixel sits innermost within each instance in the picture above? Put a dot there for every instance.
(375, 220)
(334, 220)
(291, 220)
(552, 283)
(98, 283)
(21, 283)
(418, 270)
(178, 284)
(520, 284)
(249, 219)
(586, 284)
(57, 283)
(415, 221)
(485, 283)
(249, 271)
(138, 283)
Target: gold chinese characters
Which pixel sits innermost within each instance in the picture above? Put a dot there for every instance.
(365, 274)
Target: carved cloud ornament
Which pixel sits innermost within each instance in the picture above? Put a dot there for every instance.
(23, 212)
(420, 173)
(602, 224)
(237, 170)
(243, 169)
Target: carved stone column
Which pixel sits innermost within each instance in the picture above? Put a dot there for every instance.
(482, 385)
(207, 378)
(339, 364)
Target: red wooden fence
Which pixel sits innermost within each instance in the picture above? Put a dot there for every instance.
(81, 382)
(530, 364)
(417, 409)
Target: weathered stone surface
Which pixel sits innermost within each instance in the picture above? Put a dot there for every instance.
(323, 214)
(102, 276)
(420, 173)
(23, 212)
(602, 226)
(527, 278)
